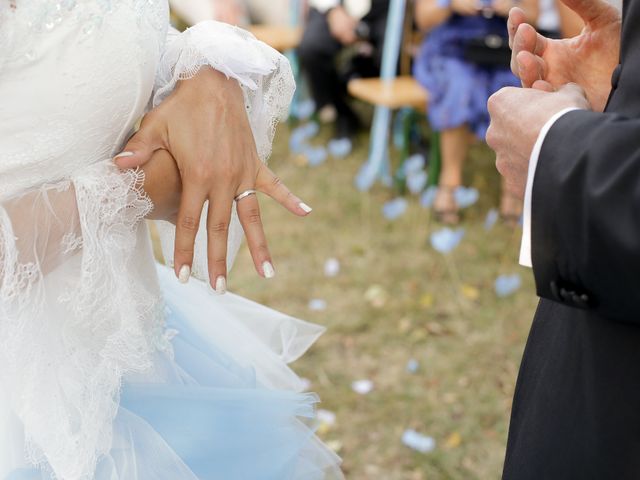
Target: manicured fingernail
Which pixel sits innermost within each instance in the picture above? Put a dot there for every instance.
(124, 155)
(221, 285)
(184, 273)
(305, 207)
(268, 270)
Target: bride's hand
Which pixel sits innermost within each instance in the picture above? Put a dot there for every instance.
(204, 125)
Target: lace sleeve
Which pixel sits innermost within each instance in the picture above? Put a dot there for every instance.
(266, 80)
(73, 320)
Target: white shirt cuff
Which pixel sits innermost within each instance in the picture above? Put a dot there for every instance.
(525, 245)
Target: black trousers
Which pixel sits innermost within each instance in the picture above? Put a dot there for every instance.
(318, 51)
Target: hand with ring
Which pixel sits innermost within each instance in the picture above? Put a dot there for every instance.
(204, 125)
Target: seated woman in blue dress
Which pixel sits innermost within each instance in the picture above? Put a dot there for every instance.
(461, 64)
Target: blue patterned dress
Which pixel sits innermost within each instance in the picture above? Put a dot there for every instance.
(458, 89)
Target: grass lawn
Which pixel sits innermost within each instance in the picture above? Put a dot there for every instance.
(441, 311)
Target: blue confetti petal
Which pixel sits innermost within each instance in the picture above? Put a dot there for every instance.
(304, 109)
(417, 441)
(429, 196)
(414, 163)
(394, 208)
(507, 284)
(412, 366)
(416, 181)
(465, 197)
(315, 155)
(446, 239)
(492, 218)
(340, 148)
(300, 135)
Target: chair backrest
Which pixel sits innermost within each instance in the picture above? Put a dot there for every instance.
(393, 39)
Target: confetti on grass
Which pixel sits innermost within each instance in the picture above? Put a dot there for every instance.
(446, 239)
(318, 305)
(465, 197)
(412, 366)
(300, 135)
(428, 197)
(416, 181)
(394, 208)
(491, 220)
(507, 284)
(363, 387)
(331, 267)
(340, 147)
(418, 442)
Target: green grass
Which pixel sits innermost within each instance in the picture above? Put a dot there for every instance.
(469, 349)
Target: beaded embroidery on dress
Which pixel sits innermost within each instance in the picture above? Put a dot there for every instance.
(111, 370)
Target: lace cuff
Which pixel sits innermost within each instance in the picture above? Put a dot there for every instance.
(266, 80)
(74, 320)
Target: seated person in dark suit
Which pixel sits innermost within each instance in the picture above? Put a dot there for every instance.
(333, 25)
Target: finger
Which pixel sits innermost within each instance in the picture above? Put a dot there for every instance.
(140, 148)
(593, 12)
(188, 221)
(543, 86)
(269, 183)
(516, 17)
(530, 68)
(249, 214)
(218, 220)
(526, 40)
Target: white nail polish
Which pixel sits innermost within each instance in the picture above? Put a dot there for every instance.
(221, 285)
(184, 273)
(268, 270)
(124, 155)
(305, 207)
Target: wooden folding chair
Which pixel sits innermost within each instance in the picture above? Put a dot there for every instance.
(388, 93)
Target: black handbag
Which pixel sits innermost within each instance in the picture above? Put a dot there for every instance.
(490, 51)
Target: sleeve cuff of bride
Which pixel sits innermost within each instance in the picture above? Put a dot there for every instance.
(525, 246)
(268, 85)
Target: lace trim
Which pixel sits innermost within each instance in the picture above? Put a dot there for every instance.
(64, 375)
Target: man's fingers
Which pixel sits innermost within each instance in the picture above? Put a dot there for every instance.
(139, 149)
(516, 17)
(269, 183)
(187, 223)
(543, 85)
(218, 220)
(530, 68)
(249, 214)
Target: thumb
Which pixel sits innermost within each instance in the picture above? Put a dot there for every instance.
(592, 11)
(139, 149)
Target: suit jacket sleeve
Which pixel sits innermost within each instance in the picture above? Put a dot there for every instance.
(586, 214)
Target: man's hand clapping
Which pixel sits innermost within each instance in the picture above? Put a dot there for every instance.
(588, 59)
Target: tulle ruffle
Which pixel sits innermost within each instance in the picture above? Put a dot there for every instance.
(222, 403)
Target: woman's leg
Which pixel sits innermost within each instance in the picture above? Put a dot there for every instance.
(454, 144)
(510, 207)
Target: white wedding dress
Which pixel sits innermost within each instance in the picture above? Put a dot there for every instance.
(109, 368)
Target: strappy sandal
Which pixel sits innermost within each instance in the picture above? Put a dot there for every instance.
(510, 209)
(449, 213)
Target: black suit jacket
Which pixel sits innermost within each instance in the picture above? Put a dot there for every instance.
(576, 412)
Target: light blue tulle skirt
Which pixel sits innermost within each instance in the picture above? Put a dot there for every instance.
(223, 405)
